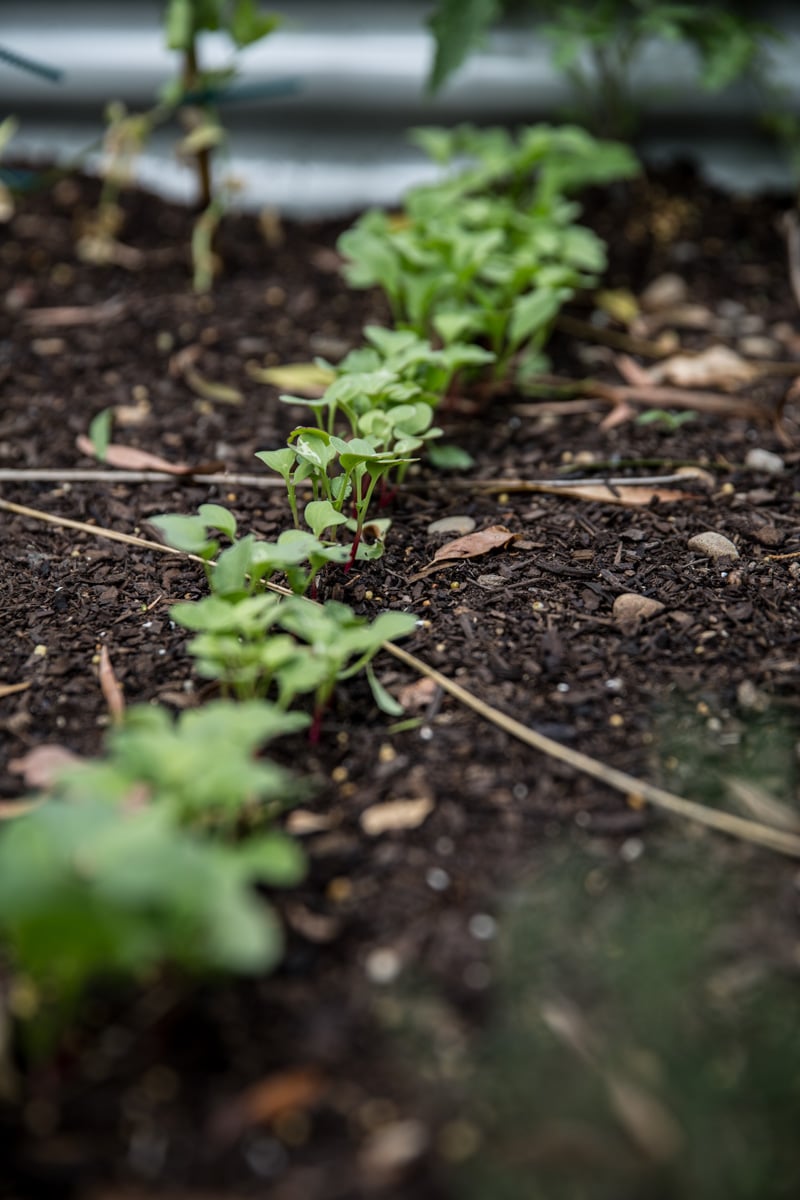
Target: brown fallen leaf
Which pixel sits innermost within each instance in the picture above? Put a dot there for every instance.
(41, 766)
(301, 379)
(473, 545)
(111, 689)
(718, 366)
(10, 689)
(222, 393)
(417, 695)
(292, 1090)
(132, 459)
(67, 316)
(627, 497)
(395, 814)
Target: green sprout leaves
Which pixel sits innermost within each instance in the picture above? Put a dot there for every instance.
(116, 872)
(492, 252)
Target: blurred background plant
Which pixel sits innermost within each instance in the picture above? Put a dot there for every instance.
(597, 45)
(641, 1041)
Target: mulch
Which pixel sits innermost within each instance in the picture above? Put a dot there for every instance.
(150, 1087)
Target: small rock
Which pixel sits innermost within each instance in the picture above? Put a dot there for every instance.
(758, 346)
(629, 608)
(731, 309)
(392, 1149)
(664, 292)
(764, 460)
(455, 524)
(751, 323)
(768, 535)
(713, 545)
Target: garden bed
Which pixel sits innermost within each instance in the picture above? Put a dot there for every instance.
(301, 1083)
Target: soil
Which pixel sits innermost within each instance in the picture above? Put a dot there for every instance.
(147, 1092)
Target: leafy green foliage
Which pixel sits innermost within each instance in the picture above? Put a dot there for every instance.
(114, 873)
(458, 26)
(493, 251)
(202, 767)
(597, 44)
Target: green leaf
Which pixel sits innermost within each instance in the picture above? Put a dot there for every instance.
(533, 314)
(247, 25)
(282, 461)
(217, 517)
(449, 458)
(321, 515)
(100, 432)
(185, 533)
(276, 860)
(384, 700)
(389, 626)
(179, 24)
(458, 26)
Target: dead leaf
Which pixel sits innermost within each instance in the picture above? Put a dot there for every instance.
(67, 316)
(301, 379)
(301, 821)
(718, 366)
(682, 316)
(132, 459)
(632, 371)
(395, 814)
(10, 689)
(110, 687)
(627, 497)
(460, 523)
(418, 695)
(292, 1090)
(473, 545)
(222, 393)
(41, 767)
(620, 304)
(620, 414)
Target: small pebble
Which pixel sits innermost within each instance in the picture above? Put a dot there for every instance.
(454, 524)
(764, 460)
(713, 545)
(751, 323)
(383, 966)
(664, 292)
(758, 346)
(629, 608)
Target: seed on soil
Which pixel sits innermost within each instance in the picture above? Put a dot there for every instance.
(713, 545)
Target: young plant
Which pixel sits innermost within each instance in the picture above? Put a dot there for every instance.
(113, 873)
(254, 642)
(492, 252)
(190, 96)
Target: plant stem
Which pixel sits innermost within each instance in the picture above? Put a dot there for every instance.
(191, 79)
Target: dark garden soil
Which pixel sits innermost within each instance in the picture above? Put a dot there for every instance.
(150, 1091)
